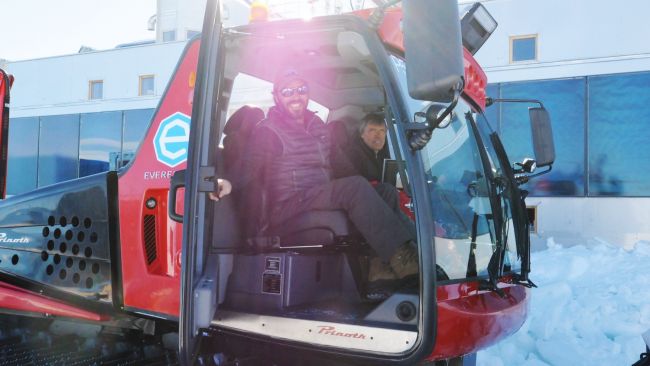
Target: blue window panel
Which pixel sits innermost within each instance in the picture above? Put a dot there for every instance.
(58, 155)
(147, 85)
(192, 33)
(169, 36)
(524, 49)
(23, 155)
(100, 141)
(96, 89)
(565, 101)
(619, 158)
(136, 123)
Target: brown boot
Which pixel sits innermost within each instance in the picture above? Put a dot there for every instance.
(380, 271)
(405, 260)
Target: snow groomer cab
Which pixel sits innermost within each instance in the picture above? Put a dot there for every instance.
(295, 292)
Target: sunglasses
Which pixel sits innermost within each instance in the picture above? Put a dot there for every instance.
(301, 90)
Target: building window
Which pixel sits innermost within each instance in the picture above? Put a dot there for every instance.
(96, 89)
(100, 142)
(192, 33)
(565, 99)
(523, 48)
(23, 155)
(58, 162)
(619, 163)
(136, 122)
(146, 85)
(169, 36)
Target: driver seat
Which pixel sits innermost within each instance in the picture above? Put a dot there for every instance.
(312, 229)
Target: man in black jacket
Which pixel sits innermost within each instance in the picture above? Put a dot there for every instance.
(291, 151)
(368, 151)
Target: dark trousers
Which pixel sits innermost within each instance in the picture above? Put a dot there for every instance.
(390, 195)
(374, 212)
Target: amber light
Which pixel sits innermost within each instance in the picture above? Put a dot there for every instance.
(259, 12)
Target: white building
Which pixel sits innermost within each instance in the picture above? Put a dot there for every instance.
(130, 76)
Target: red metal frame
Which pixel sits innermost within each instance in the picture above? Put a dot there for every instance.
(16, 298)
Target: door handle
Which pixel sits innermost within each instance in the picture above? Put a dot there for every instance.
(177, 181)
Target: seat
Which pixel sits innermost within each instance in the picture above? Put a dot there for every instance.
(318, 228)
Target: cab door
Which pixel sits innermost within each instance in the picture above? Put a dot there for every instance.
(198, 285)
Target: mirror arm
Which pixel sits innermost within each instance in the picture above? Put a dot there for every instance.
(420, 133)
(452, 105)
(522, 179)
(489, 101)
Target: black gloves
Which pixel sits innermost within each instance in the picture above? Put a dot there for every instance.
(419, 139)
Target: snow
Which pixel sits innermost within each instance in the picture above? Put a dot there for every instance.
(591, 307)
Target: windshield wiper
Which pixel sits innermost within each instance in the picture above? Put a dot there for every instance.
(518, 209)
(495, 265)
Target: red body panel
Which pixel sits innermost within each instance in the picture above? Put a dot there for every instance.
(390, 30)
(470, 320)
(154, 287)
(475, 80)
(15, 298)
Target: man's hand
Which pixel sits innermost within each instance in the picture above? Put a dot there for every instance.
(223, 189)
(419, 139)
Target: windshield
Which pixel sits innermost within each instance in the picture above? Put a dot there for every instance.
(460, 185)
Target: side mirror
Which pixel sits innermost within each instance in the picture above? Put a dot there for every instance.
(433, 47)
(543, 144)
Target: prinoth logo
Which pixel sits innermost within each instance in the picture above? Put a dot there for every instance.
(329, 330)
(5, 239)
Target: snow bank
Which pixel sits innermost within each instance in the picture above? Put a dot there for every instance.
(591, 307)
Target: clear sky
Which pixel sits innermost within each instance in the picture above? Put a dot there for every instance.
(41, 28)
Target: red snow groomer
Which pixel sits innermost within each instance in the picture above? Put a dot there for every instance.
(145, 247)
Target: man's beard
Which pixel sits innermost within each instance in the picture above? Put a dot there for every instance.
(295, 114)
